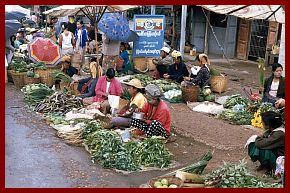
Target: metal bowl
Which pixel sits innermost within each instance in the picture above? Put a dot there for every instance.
(138, 115)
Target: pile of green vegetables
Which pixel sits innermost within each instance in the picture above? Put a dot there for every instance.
(206, 95)
(107, 148)
(196, 168)
(164, 85)
(236, 111)
(234, 100)
(56, 118)
(35, 93)
(236, 176)
(91, 127)
(31, 74)
(150, 153)
(36, 66)
(238, 118)
(19, 65)
(145, 79)
(59, 75)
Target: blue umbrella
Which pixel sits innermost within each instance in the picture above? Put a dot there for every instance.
(14, 15)
(115, 26)
(11, 27)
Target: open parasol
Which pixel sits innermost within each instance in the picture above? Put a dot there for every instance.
(44, 50)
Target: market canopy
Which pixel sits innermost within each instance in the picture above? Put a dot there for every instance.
(67, 10)
(17, 8)
(266, 12)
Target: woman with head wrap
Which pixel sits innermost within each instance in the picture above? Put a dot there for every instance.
(177, 70)
(156, 114)
(87, 86)
(271, 144)
(203, 75)
(66, 66)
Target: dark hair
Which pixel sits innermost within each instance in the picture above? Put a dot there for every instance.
(81, 22)
(275, 66)
(65, 25)
(123, 44)
(171, 24)
(110, 73)
(272, 119)
(94, 59)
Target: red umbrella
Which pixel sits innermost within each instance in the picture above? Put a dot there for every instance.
(44, 50)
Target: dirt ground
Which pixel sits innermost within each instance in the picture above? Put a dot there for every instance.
(29, 141)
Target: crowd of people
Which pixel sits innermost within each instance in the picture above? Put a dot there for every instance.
(77, 38)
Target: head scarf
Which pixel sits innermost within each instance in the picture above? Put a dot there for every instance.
(93, 69)
(153, 91)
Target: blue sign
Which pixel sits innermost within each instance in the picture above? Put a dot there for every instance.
(150, 29)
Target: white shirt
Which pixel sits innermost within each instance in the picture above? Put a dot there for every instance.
(108, 86)
(66, 40)
(79, 33)
(274, 89)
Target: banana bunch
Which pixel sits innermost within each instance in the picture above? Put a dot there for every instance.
(257, 120)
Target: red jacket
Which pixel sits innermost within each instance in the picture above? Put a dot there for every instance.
(162, 114)
(114, 89)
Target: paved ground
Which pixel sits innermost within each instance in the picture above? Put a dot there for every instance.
(35, 157)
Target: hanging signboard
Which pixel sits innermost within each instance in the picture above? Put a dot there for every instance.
(150, 29)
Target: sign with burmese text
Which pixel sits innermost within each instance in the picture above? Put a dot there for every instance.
(150, 29)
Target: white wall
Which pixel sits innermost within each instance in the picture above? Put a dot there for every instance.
(282, 49)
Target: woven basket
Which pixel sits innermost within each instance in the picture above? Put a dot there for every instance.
(141, 64)
(219, 83)
(151, 66)
(122, 103)
(31, 80)
(9, 74)
(171, 180)
(18, 78)
(66, 85)
(190, 93)
(45, 76)
(74, 89)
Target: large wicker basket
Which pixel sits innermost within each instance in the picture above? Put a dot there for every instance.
(141, 64)
(171, 180)
(190, 93)
(219, 83)
(151, 66)
(45, 76)
(31, 80)
(9, 74)
(18, 78)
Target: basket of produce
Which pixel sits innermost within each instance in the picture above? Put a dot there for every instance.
(18, 78)
(31, 78)
(219, 83)
(45, 76)
(141, 64)
(165, 182)
(190, 93)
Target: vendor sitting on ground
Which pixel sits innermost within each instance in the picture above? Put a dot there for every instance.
(135, 89)
(203, 75)
(87, 86)
(178, 69)
(271, 144)
(107, 85)
(163, 62)
(274, 86)
(66, 66)
(156, 114)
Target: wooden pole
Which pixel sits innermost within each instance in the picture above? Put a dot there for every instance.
(206, 34)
